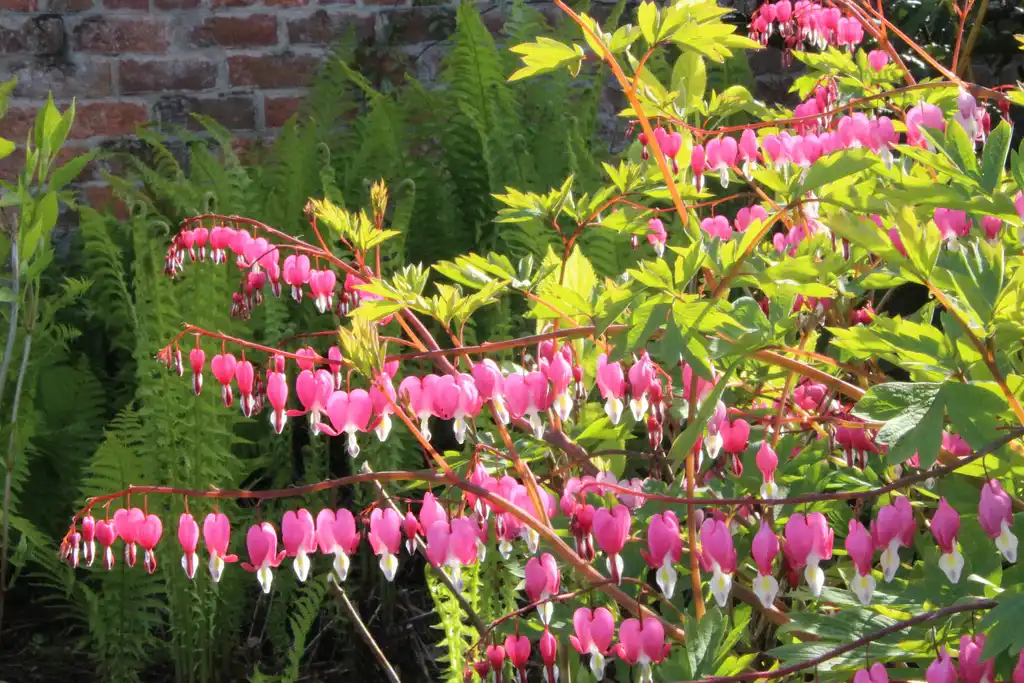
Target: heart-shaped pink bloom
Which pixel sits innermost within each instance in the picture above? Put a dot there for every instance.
(735, 436)
(518, 650)
(611, 528)
(641, 644)
(994, 508)
(717, 544)
(298, 532)
(945, 526)
(860, 547)
(876, 674)
(895, 522)
(385, 531)
(972, 668)
(594, 630)
(611, 380)
(717, 226)
(663, 540)
(543, 578)
(188, 537)
(764, 549)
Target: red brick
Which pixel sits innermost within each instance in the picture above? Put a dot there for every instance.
(69, 5)
(157, 75)
(176, 4)
(232, 3)
(286, 3)
(17, 123)
(85, 77)
(108, 118)
(277, 110)
(337, 2)
(113, 36)
(235, 112)
(12, 164)
(272, 71)
(126, 4)
(249, 31)
(102, 197)
(19, 5)
(322, 28)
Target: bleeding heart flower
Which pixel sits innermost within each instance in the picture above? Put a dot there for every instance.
(127, 522)
(861, 548)
(972, 668)
(611, 381)
(298, 533)
(594, 632)
(718, 553)
(764, 549)
(386, 539)
(995, 513)
(893, 529)
(611, 529)
(808, 542)
(336, 535)
(149, 532)
(876, 674)
(642, 643)
(518, 650)
(216, 535)
(453, 545)
(543, 580)
(188, 537)
(942, 669)
(945, 526)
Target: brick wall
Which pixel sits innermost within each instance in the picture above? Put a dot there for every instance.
(245, 63)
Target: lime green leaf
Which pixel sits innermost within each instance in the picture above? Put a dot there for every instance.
(545, 55)
(837, 166)
(6, 147)
(993, 159)
(69, 171)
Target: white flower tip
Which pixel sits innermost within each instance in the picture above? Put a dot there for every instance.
(638, 406)
(766, 588)
(545, 611)
(563, 406)
(666, 577)
(301, 566)
(216, 567)
(863, 586)
(389, 565)
(597, 664)
(538, 425)
(890, 562)
(1006, 542)
(613, 409)
(383, 427)
(815, 576)
(340, 565)
(721, 586)
(266, 578)
(952, 564)
(353, 446)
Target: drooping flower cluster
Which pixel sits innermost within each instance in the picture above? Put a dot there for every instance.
(805, 23)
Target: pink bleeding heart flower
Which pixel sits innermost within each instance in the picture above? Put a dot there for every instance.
(735, 436)
(296, 273)
(386, 539)
(223, 367)
(956, 445)
(335, 362)
(893, 529)
(995, 513)
(88, 540)
(305, 358)
(749, 215)
(261, 542)
(350, 413)
(1018, 204)
(719, 554)
(717, 226)
(698, 164)
(543, 580)
(496, 660)
(314, 390)
(972, 668)
(277, 394)
(127, 522)
(490, 384)
(611, 529)
(413, 394)
(431, 511)
(952, 224)
(548, 646)
(767, 462)
(611, 382)
(336, 535)
(876, 674)
(992, 226)
(657, 236)
(764, 549)
(748, 151)
(149, 532)
(594, 630)
(468, 406)
(861, 548)
(942, 670)
(298, 533)
(528, 396)
(382, 398)
(721, 156)
(808, 542)
(244, 376)
(927, 116)
(878, 60)
(665, 548)
(221, 238)
(453, 545)
(188, 537)
(945, 527)
(641, 375)
(411, 528)
(518, 650)
(559, 373)
(106, 535)
(197, 358)
(216, 536)
(642, 643)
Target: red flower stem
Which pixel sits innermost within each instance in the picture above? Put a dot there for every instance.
(781, 672)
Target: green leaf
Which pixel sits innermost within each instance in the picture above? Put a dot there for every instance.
(6, 295)
(648, 316)
(689, 78)
(961, 149)
(1002, 626)
(700, 646)
(545, 55)
(647, 20)
(836, 167)
(69, 171)
(6, 147)
(44, 218)
(993, 159)
(912, 412)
